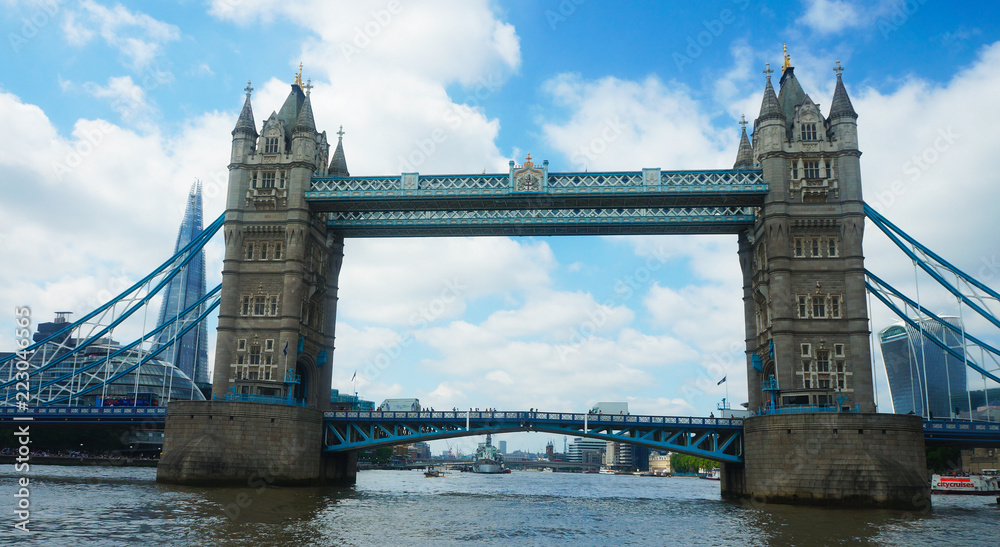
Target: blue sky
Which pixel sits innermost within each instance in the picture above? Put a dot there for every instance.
(111, 110)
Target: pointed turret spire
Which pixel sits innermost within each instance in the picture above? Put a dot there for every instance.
(338, 165)
(305, 121)
(841, 102)
(245, 122)
(744, 157)
(769, 107)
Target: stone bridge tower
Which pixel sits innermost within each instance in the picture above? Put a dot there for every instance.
(279, 279)
(807, 332)
(803, 268)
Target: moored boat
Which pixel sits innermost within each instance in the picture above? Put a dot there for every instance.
(713, 475)
(983, 484)
(488, 458)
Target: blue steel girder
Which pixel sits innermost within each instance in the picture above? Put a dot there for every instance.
(649, 201)
(715, 438)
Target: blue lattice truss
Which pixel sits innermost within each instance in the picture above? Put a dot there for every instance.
(967, 290)
(640, 202)
(714, 438)
(47, 359)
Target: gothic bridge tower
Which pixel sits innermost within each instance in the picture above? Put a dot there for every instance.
(279, 279)
(807, 332)
(803, 267)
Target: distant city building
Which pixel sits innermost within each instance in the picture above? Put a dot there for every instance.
(618, 455)
(659, 463)
(191, 355)
(581, 448)
(907, 355)
(502, 446)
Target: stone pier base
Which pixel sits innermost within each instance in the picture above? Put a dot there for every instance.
(248, 444)
(846, 459)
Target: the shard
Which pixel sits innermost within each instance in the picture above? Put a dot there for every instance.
(191, 354)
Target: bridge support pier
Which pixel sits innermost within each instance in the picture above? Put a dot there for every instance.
(848, 459)
(248, 444)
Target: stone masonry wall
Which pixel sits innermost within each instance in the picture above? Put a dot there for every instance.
(233, 443)
(871, 460)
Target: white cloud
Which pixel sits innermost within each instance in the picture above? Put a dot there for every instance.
(830, 16)
(625, 125)
(137, 36)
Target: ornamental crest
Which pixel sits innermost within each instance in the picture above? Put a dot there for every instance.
(528, 177)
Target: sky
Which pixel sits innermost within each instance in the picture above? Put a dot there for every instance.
(109, 112)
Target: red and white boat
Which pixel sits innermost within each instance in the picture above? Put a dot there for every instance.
(986, 483)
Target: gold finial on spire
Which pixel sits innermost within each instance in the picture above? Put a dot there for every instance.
(298, 77)
(788, 60)
(527, 160)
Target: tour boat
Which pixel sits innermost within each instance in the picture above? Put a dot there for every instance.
(986, 483)
(713, 475)
(488, 458)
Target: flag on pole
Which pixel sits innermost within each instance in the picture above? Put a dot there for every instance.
(720, 381)
(285, 351)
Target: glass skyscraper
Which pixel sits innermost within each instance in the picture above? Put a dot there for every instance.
(191, 354)
(907, 357)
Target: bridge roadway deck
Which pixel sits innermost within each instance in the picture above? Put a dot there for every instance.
(348, 430)
(639, 202)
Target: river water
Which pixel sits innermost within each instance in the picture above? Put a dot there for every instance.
(125, 506)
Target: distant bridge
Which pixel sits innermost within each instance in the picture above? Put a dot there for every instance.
(719, 439)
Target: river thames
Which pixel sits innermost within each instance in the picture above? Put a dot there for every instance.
(125, 506)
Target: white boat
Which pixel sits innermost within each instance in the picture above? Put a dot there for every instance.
(713, 475)
(986, 483)
(607, 471)
(488, 458)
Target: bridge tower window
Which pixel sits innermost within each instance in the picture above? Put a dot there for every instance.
(823, 361)
(818, 307)
(809, 132)
(800, 250)
(255, 355)
(277, 250)
(803, 307)
(271, 145)
(249, 252)
(814, 247)
(835, 306)
(267, 179)
(810, 169)
(831, 247)
(263, 251)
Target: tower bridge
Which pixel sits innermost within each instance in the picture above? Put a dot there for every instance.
(793, 199)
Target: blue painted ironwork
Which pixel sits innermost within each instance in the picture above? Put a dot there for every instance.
(879, 290)
(118, 309)
(895, 234)
(962, 434)
(84, 414)
(715, 438)
(648, 201)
